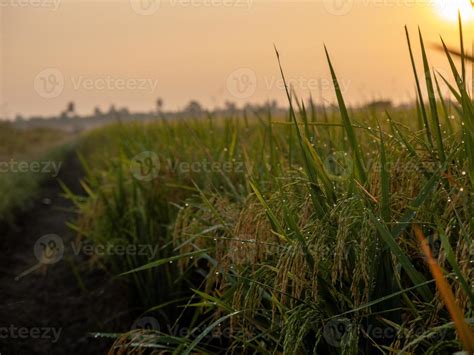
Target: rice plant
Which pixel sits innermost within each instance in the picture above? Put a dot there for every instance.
(297, 234)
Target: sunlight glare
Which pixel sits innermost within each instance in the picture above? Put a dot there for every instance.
(448, 9)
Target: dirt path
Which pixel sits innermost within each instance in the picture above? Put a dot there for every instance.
(47, 311)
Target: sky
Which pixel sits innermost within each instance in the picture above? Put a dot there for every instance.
(130, 52)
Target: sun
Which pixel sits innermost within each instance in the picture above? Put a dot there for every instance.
(448, 9)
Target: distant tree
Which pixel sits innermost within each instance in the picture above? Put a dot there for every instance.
(159, 105)
(69, 112)
(272, 105)
(113, 113)
(379, 105)
(230, 107)
(97, 112)
(112, 110)
(249, 108)
(123, 112)
(71, 108)
(63, 115)
(257, 108)
(194, 108)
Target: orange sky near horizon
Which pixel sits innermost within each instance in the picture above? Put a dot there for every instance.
(129, 52)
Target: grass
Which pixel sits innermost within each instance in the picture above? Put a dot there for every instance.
(294, 234)
(30, 145)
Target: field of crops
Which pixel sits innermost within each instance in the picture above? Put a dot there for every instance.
(26, 158)
(323, 231)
